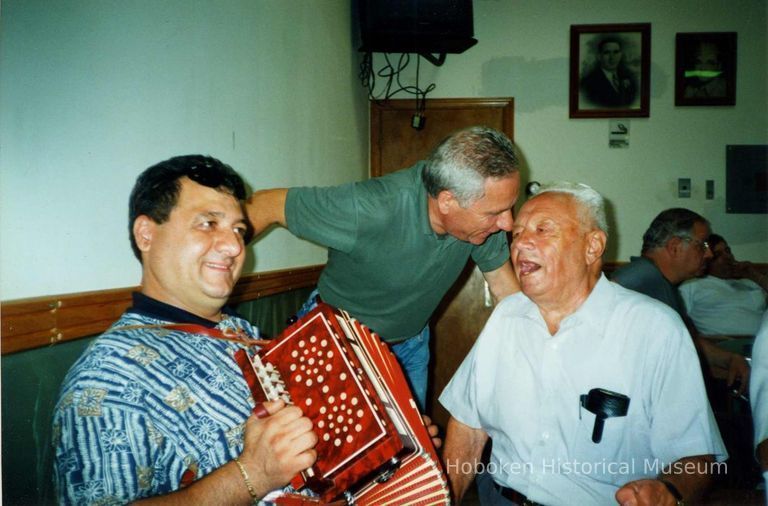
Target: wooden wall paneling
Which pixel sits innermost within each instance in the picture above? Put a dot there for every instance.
(258, 285)
(43, 321)
(456, 324)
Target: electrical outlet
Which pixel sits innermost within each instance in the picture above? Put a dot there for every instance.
(684, 188)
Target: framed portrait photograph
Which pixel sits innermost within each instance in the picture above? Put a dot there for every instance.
(610, 71)
(705, 68)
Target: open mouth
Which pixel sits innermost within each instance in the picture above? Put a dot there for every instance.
(525, 267)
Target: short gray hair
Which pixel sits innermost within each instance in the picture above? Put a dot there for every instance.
(675, 222)
(591, 202)
(462, 162)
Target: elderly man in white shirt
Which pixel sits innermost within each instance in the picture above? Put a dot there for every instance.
(591, 393)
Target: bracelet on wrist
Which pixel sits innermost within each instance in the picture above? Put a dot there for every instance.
(247, 480)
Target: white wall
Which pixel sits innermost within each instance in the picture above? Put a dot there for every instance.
(523, 52)
(94, 91)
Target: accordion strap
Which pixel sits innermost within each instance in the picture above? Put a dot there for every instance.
(237, 336)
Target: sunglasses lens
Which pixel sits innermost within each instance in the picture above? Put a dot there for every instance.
(206, 176)
(216, 177)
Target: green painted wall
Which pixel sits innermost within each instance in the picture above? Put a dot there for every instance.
(94, 91)
(523, 51)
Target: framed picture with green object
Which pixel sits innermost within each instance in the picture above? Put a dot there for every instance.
(705, 68)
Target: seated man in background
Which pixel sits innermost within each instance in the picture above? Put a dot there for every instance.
(571, 334)
(758, 388)
(397, 243)
(164, 414)
(727, 301)
(674, 250)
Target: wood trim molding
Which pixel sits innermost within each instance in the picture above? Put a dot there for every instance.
(43, 321)
(609, 267)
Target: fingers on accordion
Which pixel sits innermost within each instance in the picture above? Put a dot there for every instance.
(260, 411)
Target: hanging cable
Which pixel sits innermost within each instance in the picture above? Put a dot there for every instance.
(391, 75)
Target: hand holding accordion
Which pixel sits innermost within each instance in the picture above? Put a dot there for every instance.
(372, 445)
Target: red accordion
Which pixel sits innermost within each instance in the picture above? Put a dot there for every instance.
(372, 445)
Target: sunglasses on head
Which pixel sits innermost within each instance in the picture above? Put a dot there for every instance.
(207, 175)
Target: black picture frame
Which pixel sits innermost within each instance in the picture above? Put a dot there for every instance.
(619, 50)
(705, 68)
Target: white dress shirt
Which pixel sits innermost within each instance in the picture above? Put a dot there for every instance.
(724, 306)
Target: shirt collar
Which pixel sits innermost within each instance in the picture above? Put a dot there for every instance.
(593, 311)
(596, 309)
(153, 308)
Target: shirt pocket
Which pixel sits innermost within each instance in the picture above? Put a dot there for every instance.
(606, 460)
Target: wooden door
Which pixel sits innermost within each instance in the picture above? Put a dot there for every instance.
(396, 145)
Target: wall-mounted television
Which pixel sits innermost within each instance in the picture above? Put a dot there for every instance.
(416, 26)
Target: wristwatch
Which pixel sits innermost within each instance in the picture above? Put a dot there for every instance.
(675, 493)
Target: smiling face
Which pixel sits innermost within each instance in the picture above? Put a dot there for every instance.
(193, 260)
(485, 216)
(554, 251)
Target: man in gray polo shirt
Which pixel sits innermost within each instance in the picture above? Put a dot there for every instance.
(397, 243)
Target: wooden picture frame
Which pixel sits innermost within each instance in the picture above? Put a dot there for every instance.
(705, 68)
(610, 71)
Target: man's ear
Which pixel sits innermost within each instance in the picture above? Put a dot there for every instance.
(673, 246)
(445, 201)
(596, 241)
(143, 232)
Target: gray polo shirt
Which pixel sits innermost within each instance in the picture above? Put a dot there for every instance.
(642, 275)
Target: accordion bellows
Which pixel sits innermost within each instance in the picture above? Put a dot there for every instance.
(372, 445)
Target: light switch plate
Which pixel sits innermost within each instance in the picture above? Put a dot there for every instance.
(684, 188)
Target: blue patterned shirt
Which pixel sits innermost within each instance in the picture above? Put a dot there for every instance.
(143, 405)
